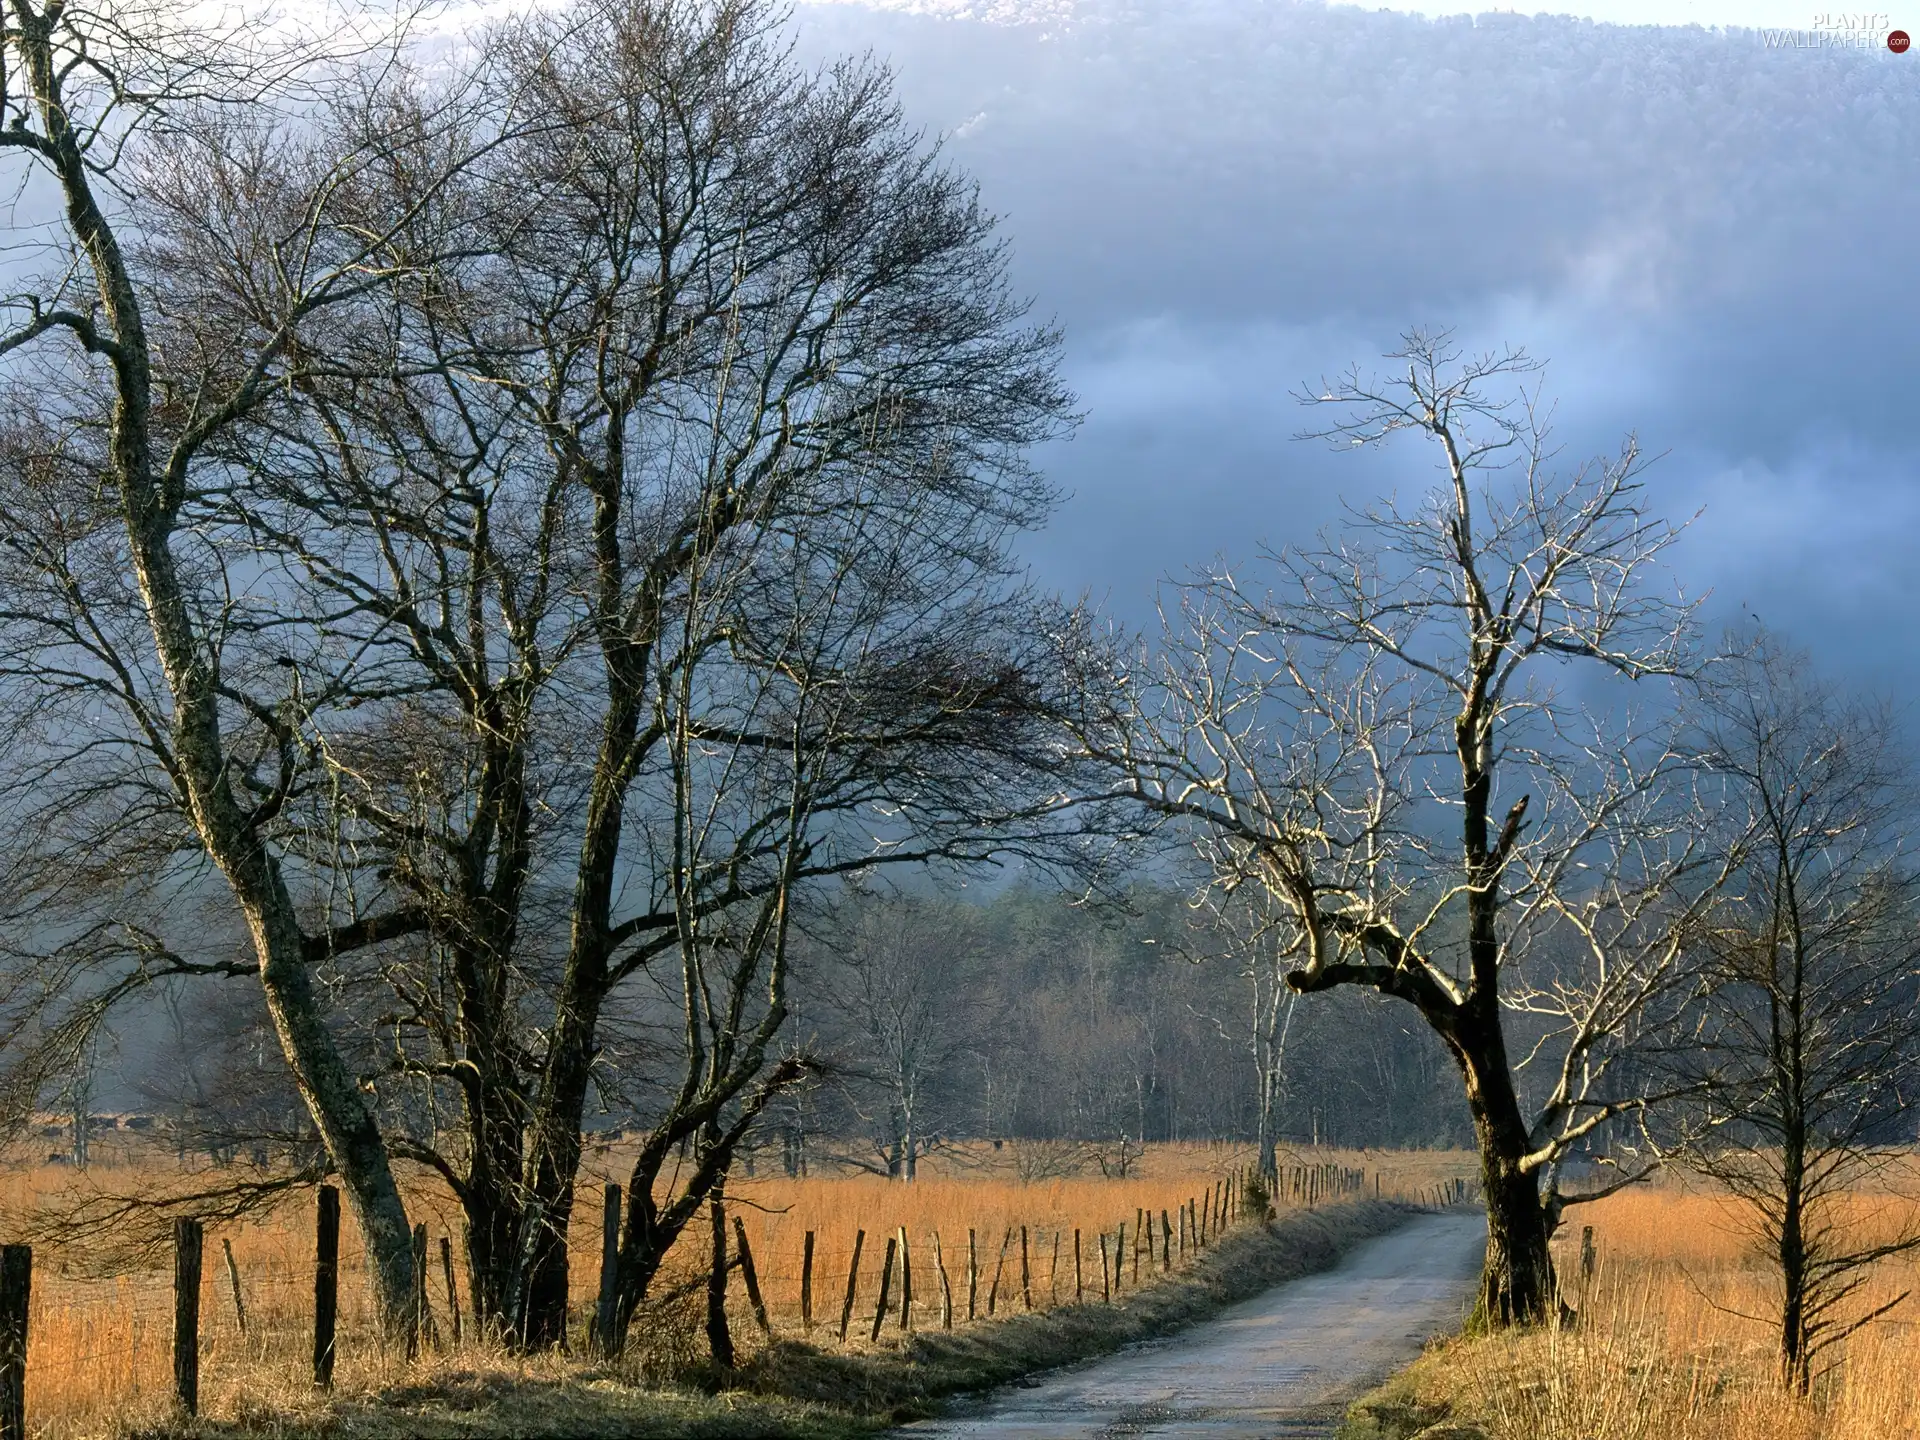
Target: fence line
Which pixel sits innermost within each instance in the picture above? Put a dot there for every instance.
(780, 1287)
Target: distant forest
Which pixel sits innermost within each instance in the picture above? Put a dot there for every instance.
(1032, 1017)
(1025, 1015)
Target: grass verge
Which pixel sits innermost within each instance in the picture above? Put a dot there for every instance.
(798, 1391)
(1675, 1338)
(1417, 1401)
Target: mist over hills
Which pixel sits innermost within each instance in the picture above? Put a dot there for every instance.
(1706, 236)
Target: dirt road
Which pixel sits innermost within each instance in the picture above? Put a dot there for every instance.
(1279, 1365)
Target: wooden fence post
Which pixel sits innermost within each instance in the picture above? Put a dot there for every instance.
(186, 1313)
(233, 1279)
(906, 1282)
(1053, 1272)
(1079, 1283)
(999, 1269)
(326, 1284)
(1106, 1282)
(420, 1333)
(1166, 1243)
(606, 1302)
(886, 1283)
(1118, 1236)
(946, 1290)
(453, 1293)
(853, 1282)
(973, 1273)
(16, 1289)
(752, 1277)
(1026, 1277)
(806, 1284)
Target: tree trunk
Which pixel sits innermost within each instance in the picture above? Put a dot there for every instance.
(549, 1273)
(643, 1245)
(554, 1144)
(1796, 1362)
(719, 1337)
(1517, 1282)
(1269, 1159)
(492, 1213)
(554, 1162)
(1517, 1285)
(339, 1110)
(651, 1232)
(909, 1141)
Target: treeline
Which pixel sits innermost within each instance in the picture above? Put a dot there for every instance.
(1032, 1016)
(1021, 1014)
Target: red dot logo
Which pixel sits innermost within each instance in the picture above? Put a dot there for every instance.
(1898, 41)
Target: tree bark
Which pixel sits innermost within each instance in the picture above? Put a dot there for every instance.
(1269, 1159)
(1796, 1359)
(1517, 1285)
(719, 1336)
(553, 1161)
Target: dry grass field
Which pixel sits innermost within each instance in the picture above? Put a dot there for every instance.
(99, 1359)
(1673, 1344)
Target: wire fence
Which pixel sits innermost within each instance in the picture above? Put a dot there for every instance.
(101, 1349)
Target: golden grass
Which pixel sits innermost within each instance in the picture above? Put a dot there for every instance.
(1674, 1340)
(100, 1346)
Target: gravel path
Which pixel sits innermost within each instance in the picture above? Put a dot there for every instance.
(1282, 1364)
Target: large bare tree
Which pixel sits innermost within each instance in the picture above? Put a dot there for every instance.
(643, 526)
(133, 599)
(1376, 742)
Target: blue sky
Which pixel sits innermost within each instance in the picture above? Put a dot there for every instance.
(1711, 239)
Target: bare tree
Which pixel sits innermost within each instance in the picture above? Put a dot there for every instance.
(146, 609)
(1805, 1053)
(899, 975)
(644, 518)
(1262, 947)
(1320, 741)
(779, 780)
